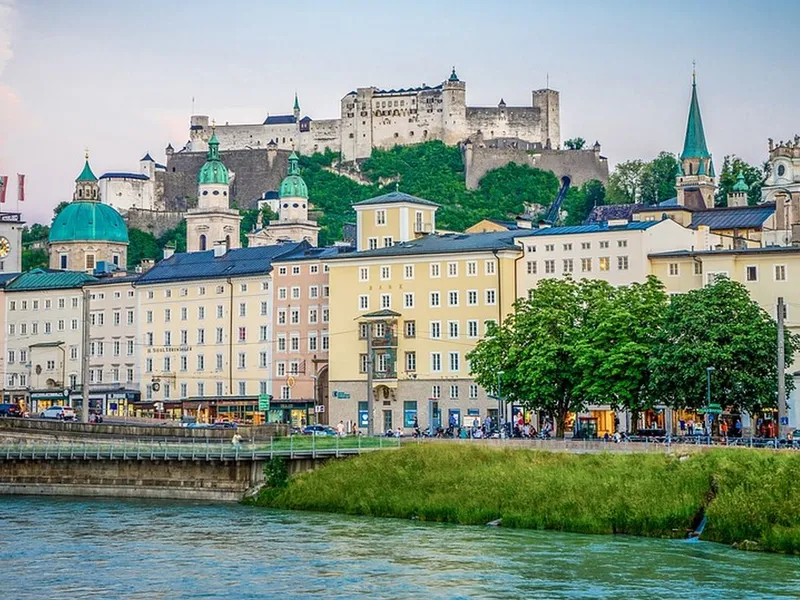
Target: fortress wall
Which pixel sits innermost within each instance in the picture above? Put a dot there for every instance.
(156, 222)
(517, 122)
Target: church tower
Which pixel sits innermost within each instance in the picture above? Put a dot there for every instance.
(86, 185)
(695, 183)
(213, 221)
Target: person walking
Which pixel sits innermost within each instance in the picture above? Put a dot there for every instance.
(340, 429)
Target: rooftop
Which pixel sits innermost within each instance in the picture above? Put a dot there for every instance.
(734, 217)
(123, 175)
(187, 266)
(395, 198)
(730, 251)
(112, 279)
(602, 227)
(46, 279)
(280, 120)
(313, 253)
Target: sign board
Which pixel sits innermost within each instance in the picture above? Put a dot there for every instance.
(711, 409)
(341, 395)
(263, 403)
(784, 420)
(319, 408)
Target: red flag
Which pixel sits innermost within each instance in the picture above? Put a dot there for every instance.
(20, 187)
(3, 187)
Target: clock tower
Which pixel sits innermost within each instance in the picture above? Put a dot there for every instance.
(11, 225)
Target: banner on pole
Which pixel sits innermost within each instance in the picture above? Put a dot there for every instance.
(3, 188)
(20, 187)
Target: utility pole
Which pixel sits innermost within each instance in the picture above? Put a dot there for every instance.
(370, 395)
(85, 357)
(781, 371)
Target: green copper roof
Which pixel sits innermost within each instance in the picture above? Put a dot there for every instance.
(213, 171)
(86, 174)
(44, 279)
(293, 185)
(679, 170)
(88, 221)
(701, 168)
(453, 76)
(694, 146)
(711, 172)
(740, 185)
(296, 102)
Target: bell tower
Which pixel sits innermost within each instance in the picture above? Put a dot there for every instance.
(695, 183)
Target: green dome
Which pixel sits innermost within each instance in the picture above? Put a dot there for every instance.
(293, 185)
(740, 185)
(213, 171)
(93, 221)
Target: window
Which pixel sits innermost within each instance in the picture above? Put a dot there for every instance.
(262, 333)
(242, 309)
(184, 362)
(388, 241)
(363, 274)
(220, 289)
(411, 361)
(148, 316)
(386, 273)
(531, 267)
(130, 347)
(242, 388)
(148, 365)
(472, 328)
(622, 243)
(312, 342)
(294, 316)
(490, 267)
(220, 336)
(490, 297)
(372, 243)
(408, 300)
(167, 315)
(363, 302)
(282, 316)
(201, 362)
(325, 341)
(282, 271)
(698, 268)
(201, 389)
(408, 271)
(674, 269)
(452, 298)
(242, 334)
(452, 329)
(604, 245)
(605, 263)
(313, 316)
(549, 266)
(436, 362)
(386, 301)
(435, 270)
(568, 265)
(295, 270)
(780, 272)
(167, 338)
(586, 245)
(326, 290)
(282, 293)
(435, 300)
(586, 265)
(220, 388)
(201, 336)
(282, 343)
(286, 392)
(294, 343)
(472, 297)
(363, 363)
(436, 391)
(473, 391)
(326, 313)
(622, 263)
(410, 413)
(130, 317)
(280, 369)
(410, 329)
(242, 360)
(549, 247)
(201, 312)
(472, 268)
(167, 364)
(313, 293)
(452, 269)
(380, 217)
(312, 269)
(454, 392)
(220, 362)
(436, 330)
(201, 291)
(295, 293)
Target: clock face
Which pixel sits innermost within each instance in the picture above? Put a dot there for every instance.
(5, 246)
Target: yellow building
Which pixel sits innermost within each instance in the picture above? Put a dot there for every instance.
(393, 218)
(428, 300)
(767, 273)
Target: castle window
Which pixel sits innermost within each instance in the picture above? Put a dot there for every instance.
(63, 259)
(396, 134)
(90, 261)
(202, 242)
(80, 193)
(205, 192)
(411, 134)
(215, 192)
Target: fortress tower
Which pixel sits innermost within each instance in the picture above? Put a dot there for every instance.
(213, 221)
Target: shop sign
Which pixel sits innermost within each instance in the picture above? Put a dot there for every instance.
(341, 395)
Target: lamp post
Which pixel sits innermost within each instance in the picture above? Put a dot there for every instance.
(500, 410)
(709, 370)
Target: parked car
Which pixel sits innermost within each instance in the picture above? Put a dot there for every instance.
(322, 430)
(10, 410)
(224, 425)
(62, 413)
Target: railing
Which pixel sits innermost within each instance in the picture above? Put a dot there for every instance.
(212, 450)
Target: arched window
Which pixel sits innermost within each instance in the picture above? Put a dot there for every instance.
(80, 192)
(228, 242)
(202, 242)
(691, 167)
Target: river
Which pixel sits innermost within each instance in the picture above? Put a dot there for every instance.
(72, 548)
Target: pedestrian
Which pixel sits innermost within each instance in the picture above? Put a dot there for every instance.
(682, 425)
(340, 429)
(354, 429)
(236, 440)
(738, 427)
(690, 425)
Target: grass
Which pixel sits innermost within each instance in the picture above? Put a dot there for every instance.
(755, 494)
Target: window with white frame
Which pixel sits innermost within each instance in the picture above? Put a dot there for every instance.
(435, 270)
(386, 301)
(622, 263)
(386, 273)
(436, 362)
(436, 330)
(472, 268)
(363, 302)
(452, 269)
(435, 299)
(411, 361)
(454, 392)
(452, 298)
(473, 391)
(408, 271)
(363, 273)
(472, 328)
(380, 217)
(455, 361)
(491, 297)
(491, 265)
(780, 272)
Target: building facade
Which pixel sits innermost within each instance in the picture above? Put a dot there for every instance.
(141, 190)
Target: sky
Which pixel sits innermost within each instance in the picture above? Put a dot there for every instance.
(119, 77)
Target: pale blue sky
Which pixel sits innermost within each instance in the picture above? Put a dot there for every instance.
(119, 77)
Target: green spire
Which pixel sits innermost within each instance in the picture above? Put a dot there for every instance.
(453, 76)
(711, 172)
(213, 171)
(213, 147)
(694, 146)
(86, 174)
(740, 185)
(701, 168)
(293, 185)
(678, 170)
(296, 102)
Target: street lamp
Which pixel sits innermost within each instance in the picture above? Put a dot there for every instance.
(499, 400)
(709, 370)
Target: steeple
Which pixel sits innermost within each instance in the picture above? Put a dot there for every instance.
(86, 174)
(296, 109)
(213, 171)
(694, 144)
(86, 184)
(453, 76)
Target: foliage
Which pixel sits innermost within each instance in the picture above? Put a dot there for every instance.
(718, 326)
(250, 218)
(624, 184)
(175, 237)
(576, 143)
(580, 201)
(141, 245)
(652, 495)
(35, 233)
(538, 349)
(276, 472)
(658, 179)
(59, 207)
(509, 190)
(754, 177)
(34, 258)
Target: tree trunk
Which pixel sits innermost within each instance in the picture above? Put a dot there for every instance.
(561, 424)
(634, 424)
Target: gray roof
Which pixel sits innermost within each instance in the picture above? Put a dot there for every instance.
(314, 253)
(110, 280)
(448, 243)
(6, 277)
(734, 217)
(280, 120)
(187, 266)
(594, 228)
(395, 198)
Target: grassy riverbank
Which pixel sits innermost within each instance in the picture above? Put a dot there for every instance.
(746, 494)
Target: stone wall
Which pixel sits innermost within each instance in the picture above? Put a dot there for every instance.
(156, 222)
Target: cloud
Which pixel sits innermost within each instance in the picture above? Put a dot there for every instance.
(7, 15)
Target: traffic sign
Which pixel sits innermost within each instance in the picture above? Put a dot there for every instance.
(784, 420)
(713, 409)
(263, 402)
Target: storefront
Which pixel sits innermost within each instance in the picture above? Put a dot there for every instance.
(297, 413)
(41, 400)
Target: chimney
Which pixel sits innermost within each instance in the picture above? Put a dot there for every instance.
(145, 265)
(168, 251)
(220, 248)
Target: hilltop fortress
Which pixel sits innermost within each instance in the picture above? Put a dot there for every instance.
(374, 118)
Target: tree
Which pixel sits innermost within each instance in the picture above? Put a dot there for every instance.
(658, 179)
(511, 189)
(718, 326)
(580, 201)
(175, 237)
(616, 361)
(754, 177)
(142, 245)
(538, 348)
(34, 258)
(35, 233)
(576, 143)
(59, 207)
(250, 219)
(624, 184)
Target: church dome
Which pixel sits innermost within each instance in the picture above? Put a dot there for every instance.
(293, 185)
(88, 221)
(213, 171)
(740, 185)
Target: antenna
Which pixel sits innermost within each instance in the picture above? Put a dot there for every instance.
(547, 84)
(192, 104)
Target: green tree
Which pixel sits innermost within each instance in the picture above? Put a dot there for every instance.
(59, 207)
(511, 189)
(580, 201)
(537, 349)
(576, 143)
(250, 219)
(754, 177)
(175, 237)
(34, 258)
(616, 360)
(718, 326)
(658, 179)
(142, 245)
(35, 233)
(625, 183)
